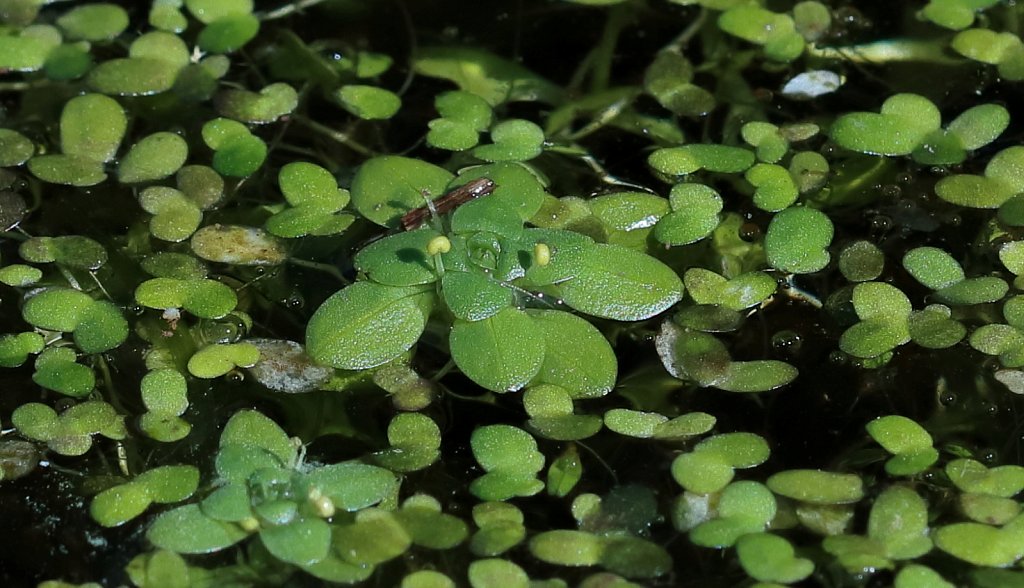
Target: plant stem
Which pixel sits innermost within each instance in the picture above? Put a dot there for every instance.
(604, 52)
(338, 136)
(287, 9)
(323, 267)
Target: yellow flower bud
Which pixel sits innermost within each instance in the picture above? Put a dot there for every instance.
(439, 244)
(542, 254)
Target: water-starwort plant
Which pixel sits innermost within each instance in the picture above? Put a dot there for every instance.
(586, 292)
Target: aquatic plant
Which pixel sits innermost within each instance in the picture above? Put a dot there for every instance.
(340, 292)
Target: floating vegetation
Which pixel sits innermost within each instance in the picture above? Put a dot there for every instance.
(579, 292)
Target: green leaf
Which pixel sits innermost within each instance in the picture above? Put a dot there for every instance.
(817, 486)
(979, 544)
(91, 127)
(387, 187)
(679, 161)
(218, 359)
(514, 140)
(70, 170)
(203, 298)
(368, 102)
(899, 520)
(797, 240)
(570, 343)
(375, 538)
(614, 282)
(100, 327)
(497, 573)
(270, 104)
(94, 22)
(25, 52)
(187, 530)
(904, 122)
(253, 429)
(1002, 180)
(304, 541)
(501, 353)
(228, 33)
(15, 148)
(353, 486)
(493, 78)
(366, 325)
(153, 158)
(115, 506)
(567, 547)
(56, 309)
(175, 216)
(696, 212)
(770, 558)
(510, 457)
(400, 259)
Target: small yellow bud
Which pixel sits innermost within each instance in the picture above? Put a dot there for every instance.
(324, 506)
(439, 244)
(250, 524)
(542, 254)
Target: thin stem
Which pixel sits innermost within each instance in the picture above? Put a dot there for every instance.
(683, 39)
(100, 285)
(338, 136)
(597, 456)
(322, 267)
(287, 9)
(604, 53)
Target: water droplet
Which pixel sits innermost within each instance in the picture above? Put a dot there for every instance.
(787, 341)
(749, 232)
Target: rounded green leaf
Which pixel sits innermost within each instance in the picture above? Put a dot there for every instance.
(15, 148)
(304, 541)
(366, 325)
(70, 170)
(400, 259)
(228, 33)
(474, 296)
(218, 359)
(979, 544)
(92, 126)
(577, 357)
(980, 125)
(375, 538)
(94, 22)
(797, 240)
(933, 267)
(861, 261)
(501, 353)
(101, 327)
(514, 140)
(615, 282)
(756, 376)
(56, 309)
(567, 547)
(187, 530)
(817, 486)
(387, 187)
(497, 573)
(770, 558)
(368, 102)
(252, 428)
(115, 506)
(353, 486)
(175, 216)
(153, 158)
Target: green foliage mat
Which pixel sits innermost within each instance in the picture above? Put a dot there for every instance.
(511, 294)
